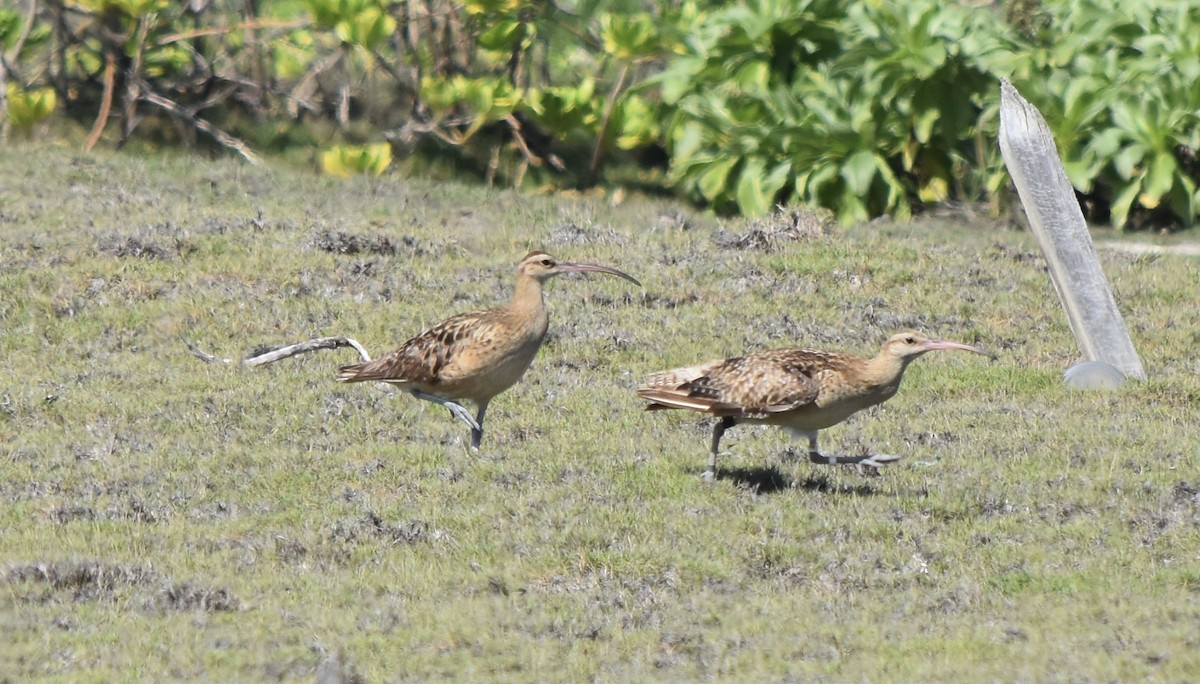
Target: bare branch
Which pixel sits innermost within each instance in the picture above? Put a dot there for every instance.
(301, 94)
(609, 108)
(110, 72)
(272, 355)
(201, 354)
(4, 122)
(202, 124)
(267, 355)
(15, 53)
(250, 25)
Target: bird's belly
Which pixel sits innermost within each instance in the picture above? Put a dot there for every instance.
(494, 374)
(817, 417)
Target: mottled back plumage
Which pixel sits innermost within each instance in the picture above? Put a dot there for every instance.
(435, 358)
(749, 387)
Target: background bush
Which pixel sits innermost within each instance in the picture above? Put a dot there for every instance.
(866, 108)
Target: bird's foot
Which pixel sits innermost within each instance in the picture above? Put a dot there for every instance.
(708, 475)
(877, 461)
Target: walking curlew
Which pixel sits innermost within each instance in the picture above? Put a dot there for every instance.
(476, 356)
(799, 389)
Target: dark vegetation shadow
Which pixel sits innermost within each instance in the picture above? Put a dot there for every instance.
(821, 484)
(758, 480)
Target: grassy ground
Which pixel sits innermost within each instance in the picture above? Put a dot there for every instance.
(167, 519)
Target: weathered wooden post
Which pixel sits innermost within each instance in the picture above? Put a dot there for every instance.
(1056, 219)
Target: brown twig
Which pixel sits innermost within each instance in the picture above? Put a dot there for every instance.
(25, 30)
(133, 81)
(609, 108)
(4, 122)
(110, 73)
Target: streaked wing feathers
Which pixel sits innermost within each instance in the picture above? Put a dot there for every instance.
(748, 387)
(426, 359)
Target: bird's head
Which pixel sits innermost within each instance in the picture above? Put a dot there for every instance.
(541, 267)
(910, 344)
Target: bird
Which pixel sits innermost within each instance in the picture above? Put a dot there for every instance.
(476, 356)
(801, 390)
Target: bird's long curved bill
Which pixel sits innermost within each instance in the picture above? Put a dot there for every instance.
(596, 268)
(932, 345)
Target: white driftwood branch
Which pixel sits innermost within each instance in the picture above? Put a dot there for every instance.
(271, 355)
(1056, 219)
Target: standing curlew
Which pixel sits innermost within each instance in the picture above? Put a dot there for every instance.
(799, 389)
(475, 356)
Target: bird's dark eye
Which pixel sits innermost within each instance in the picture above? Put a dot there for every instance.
(547, 262)
(910, 340)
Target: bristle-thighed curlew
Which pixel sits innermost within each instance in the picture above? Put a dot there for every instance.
(476, 356)
(803, 390)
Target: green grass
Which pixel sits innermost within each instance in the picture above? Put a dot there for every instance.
(166, 519)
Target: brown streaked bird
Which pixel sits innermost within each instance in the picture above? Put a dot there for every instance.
(802, 390)
(476, 356)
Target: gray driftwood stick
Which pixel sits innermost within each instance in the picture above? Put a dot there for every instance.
(1056, 219)
(273, 354)
(263, 357)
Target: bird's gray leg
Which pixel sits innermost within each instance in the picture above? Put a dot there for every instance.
(719, 429)
(477, 433)
(457, 410)
(814, 454)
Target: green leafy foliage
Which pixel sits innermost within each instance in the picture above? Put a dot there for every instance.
(864, 107)
(351, 160)
(12, 23)
(27, 107)
(1117, 84)
(839, 105)
(129, 8)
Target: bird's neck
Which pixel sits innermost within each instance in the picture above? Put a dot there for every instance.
(884, 372)
(528, 303)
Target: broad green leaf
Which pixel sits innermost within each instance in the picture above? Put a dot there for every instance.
(349, 160)
(628, 37)
(753, 75)
(711, 183)
(492, 7)
(923, 128)
(367, 29)
(1080, 172)
(1160, 177)
(851, 209)
(1123, 202)
(638, 123)
(502, 36)
(1128, 161)
(934, 190)
(752, 196)
(821, 177)
(858, 170)
(1107, 142)
(27, 107)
